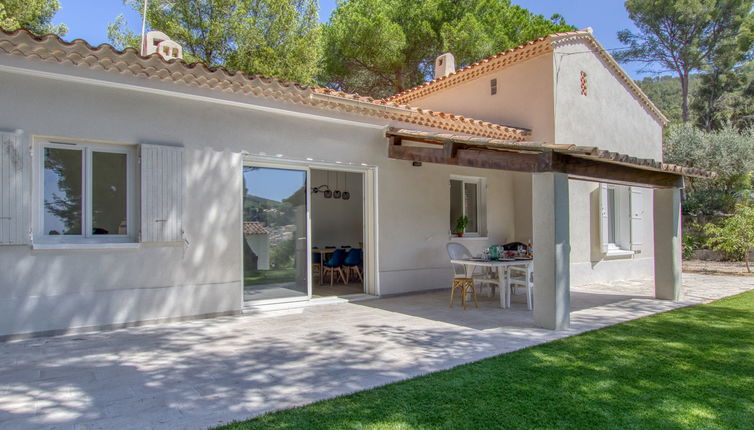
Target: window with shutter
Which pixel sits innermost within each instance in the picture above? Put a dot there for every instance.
(15, 174)
(637, 218)
(161, 193)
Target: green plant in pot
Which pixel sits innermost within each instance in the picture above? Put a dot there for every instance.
(461, 224)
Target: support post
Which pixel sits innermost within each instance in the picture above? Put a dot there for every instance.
(667, 238)
(550, 213)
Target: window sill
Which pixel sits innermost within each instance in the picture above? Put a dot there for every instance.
(618, 253)
(53, 246)
(454, 237)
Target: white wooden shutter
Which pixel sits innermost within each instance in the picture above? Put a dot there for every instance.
(161, 193)
(15, 194)
(603, 220)
(637, 217)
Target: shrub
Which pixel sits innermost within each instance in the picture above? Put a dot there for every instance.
(735, 236)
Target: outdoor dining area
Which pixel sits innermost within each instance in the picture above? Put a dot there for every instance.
(504, 269)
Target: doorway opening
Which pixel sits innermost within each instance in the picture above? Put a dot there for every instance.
(303, 232)
(337, 213)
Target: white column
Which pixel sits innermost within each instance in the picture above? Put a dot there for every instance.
(550, 212)
(667, 237)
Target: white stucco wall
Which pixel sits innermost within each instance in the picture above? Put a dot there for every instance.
(60, 289)
(337, 222)
(544, 94)
(610, 116)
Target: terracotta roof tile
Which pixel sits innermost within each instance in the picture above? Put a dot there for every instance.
(522, 53)
(79, 54)
(254, 227)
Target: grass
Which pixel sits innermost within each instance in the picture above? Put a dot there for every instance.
(261, 277)
(689, 368)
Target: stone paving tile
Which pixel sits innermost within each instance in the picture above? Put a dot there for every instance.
(199, 374)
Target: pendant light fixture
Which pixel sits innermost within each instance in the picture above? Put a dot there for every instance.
(346, 194)
(336, 193)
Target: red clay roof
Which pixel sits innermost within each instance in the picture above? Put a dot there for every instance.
(521, 53)
(78, 53)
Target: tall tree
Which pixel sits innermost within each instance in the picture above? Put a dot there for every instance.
(274, 38)
(36, 15)
(683, 35)
(381, 47)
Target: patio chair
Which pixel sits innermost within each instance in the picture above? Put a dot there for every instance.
(519, 277)
(353, 263)
(334, 266)
(456, 251)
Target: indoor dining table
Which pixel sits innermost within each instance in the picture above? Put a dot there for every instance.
(501, 266)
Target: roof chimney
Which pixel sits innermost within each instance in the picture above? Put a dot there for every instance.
(445, 64)
(159, 42)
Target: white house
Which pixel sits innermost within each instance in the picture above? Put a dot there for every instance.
(128, 182)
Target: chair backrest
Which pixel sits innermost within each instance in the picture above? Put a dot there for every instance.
(316, 257)
(353, 258)
(456, 251)
(336, 259)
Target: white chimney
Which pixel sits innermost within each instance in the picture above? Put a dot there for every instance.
(445, 64)
(159, 42)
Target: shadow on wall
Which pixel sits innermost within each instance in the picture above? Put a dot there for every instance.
(51, 290)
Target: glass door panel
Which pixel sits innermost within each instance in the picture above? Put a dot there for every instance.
(275, 233)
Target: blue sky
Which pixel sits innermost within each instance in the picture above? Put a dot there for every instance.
(606, 17)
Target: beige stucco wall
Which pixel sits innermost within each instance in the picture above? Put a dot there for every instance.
(524, 98)
(58, 289)
(610, 116)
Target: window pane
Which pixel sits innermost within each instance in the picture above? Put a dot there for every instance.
(470, 192)
(62, 191)
(109, 193)
(456, 203)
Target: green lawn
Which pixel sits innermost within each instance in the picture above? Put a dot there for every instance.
(689, 368)
(261, 277)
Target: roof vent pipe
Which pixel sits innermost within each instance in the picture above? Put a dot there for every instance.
(445, 64)
(159, 42)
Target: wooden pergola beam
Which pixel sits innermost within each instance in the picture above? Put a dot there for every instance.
(454, 153)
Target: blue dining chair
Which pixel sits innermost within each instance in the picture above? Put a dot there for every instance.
(335, 265)
(352, 263)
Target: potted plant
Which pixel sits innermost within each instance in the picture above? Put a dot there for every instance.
(461, 224)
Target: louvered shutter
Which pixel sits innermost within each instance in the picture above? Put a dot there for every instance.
(604, 221)
(161, 193)
(15, 194)
(637, 217)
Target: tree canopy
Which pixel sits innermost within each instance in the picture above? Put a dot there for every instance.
(381, 47)
(727, 151)
(36, 15)
(276, 38)
(684, 36)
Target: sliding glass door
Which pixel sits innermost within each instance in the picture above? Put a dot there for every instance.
(275, 214)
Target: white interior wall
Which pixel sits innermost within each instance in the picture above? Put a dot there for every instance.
(337, 222)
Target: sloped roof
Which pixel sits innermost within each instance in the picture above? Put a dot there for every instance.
(78, 53)
(254, 227)
(519, 54)
(589, 152)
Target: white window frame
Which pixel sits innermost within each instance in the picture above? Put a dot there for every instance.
(40, 236)
(481, 202)
(621, 220)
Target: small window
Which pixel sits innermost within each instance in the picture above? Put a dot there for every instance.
(493, 87)
(618, 218)
(583, 83)
(466, 199)
(85, 193)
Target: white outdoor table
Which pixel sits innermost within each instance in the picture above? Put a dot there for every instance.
(501, 266)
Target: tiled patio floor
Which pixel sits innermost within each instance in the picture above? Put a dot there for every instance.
(198, 374)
